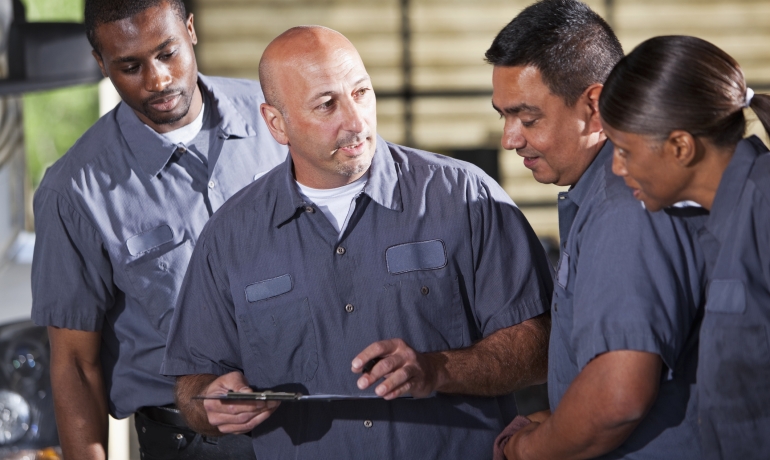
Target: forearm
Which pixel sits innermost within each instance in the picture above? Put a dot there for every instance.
(187, 387)
(80, 403)
(599, 411)
(507, 360)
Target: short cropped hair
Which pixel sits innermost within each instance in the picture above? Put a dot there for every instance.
(571, 46)
(98, 12)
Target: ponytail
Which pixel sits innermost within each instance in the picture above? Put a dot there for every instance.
(760, 104)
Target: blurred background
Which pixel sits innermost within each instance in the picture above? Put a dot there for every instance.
(432, 84)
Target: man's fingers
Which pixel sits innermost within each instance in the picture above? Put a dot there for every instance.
(383, 367)
(237, 416)
(377, 349)
(395, 381)
(237, 428)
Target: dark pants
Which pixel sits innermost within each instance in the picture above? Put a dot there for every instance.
(159, 441)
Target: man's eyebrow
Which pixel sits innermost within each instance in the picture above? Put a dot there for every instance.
(515, 109)
(167, 42)
(330, 93)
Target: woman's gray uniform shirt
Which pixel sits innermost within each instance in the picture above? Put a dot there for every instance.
(629, 279)
(117, 219)
(734, 362)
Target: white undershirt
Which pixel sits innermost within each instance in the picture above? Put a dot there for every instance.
(186, 133)
(337, 204)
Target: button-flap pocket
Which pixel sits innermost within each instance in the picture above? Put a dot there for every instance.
(262, 290)
(423, 255)
(562, 272)
(726, 296)
(150, 239)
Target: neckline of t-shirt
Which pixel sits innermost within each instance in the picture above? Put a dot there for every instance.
(359, 183)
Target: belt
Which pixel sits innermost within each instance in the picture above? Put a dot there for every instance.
(168, 415)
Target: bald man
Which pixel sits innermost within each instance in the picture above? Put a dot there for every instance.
(358, 268)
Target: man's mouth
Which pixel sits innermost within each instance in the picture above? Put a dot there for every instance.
(353, 149)
(530, 162)
(165, 103)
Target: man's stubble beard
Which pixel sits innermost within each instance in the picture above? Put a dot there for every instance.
(186, 101)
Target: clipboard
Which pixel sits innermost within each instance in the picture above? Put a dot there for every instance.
(284, 396)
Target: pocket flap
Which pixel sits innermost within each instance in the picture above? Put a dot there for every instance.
(150, 239)
(423, 255)
(726, 296)
(562, 272)
(262, 290)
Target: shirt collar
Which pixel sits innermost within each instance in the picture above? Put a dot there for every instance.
(382, 186)
(592, 177)
(153, 150)
(732, 183)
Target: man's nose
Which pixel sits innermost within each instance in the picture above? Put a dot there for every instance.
(618, 165)
(353, 119)
(157, 78)
(512, 136)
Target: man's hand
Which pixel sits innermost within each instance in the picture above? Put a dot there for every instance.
(505, 361)
(214, 416)
(405, 370)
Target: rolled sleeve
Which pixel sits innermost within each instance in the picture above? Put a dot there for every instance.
(513, 278)
(629, 294)
(203, 338)
(71, 272)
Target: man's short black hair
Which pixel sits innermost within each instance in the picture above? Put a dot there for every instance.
(571, 46)
(98, 12)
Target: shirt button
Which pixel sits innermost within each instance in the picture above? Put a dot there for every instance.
(212, 184)
(349, 308)
(368, 423)
(424, 290)
(309, 209)
(179, 436)
(340, 250)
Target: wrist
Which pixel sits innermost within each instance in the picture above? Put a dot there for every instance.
(437, 368)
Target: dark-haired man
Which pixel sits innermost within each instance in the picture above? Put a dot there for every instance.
(365, 250)
(629, 283)
(117, 218)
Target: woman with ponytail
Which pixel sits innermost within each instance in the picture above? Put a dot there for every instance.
(674, 109)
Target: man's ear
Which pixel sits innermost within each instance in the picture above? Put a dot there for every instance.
(589, 100)
(191, 29)
(99, 61)
(275, 123)
(683, 147)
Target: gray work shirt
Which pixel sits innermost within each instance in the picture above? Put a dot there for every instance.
(117, 219)
(734, 360)
(435, 253)
(628, 279)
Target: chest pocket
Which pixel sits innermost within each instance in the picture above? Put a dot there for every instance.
(726, 296)
(280, 332)
(426, 313)
(734, 356)
(158, 274)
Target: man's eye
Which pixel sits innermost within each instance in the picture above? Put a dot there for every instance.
(327, 104)
(167, 55)
(362, 91)
(132, 69)
(528, 124)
